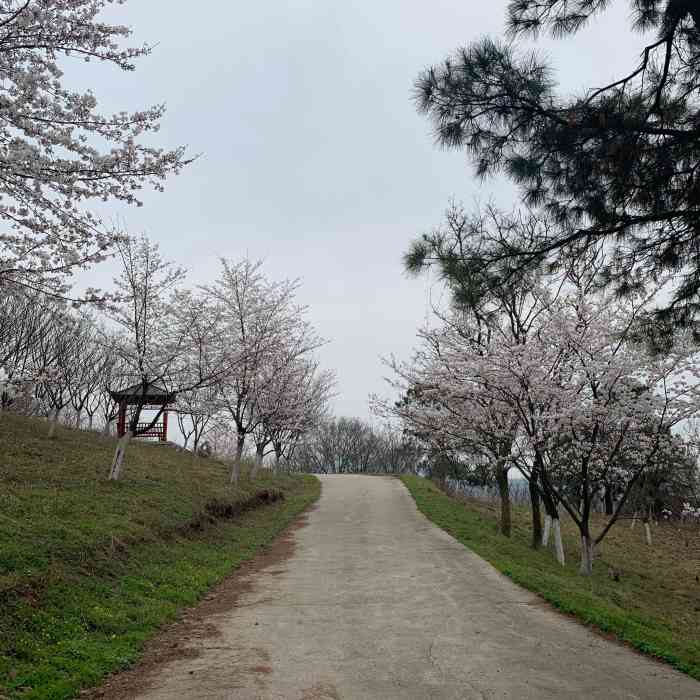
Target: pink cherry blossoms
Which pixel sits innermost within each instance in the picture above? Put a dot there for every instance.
(576, 403)
(58, 152)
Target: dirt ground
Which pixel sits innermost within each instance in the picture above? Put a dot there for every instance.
(365, 599)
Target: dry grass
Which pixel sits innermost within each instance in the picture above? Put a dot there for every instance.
(662, 580)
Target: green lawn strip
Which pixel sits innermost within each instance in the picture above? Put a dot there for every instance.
(82, 626)
(591, 600)
(90, 569)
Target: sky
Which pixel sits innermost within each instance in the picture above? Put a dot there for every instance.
(312, 156)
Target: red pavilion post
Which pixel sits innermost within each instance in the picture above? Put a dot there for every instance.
(121, 420)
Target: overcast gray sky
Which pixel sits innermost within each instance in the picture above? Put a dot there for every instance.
(313, 156)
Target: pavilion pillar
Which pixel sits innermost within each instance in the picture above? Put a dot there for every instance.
(121, 420)
(164, 434)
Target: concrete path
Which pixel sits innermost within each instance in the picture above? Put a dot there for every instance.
(376, 603)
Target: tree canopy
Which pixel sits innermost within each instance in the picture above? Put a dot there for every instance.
(616, 165)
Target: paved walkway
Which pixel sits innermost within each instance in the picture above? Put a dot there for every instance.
(376, 603)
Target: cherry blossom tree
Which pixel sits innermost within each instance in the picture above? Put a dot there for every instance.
(483, 313)
(207, 361)
(285, 386)
(197, 411)
(291, 404)
(87, 367)
(59, 152)
(54, 365)
(23, 323)
(592, 402)
(155, 344)
(257, 319)
(575, 399)
(448, 411)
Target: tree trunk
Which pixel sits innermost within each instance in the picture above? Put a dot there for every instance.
(118, 461)
(587, 555)
(536, 515)
(504, 494)
(634, 520)
(259, 455)
(552, 526)
(609, 505)
(278, 457)
(647, 528)
(547, 529)
(558, 545)
(53, 423)
(236, 466)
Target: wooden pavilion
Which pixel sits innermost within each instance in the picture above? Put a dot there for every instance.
(153, 397)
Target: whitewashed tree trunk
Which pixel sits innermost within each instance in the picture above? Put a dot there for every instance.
(547, 530)
(634, 520)
(587, 555)
(552, 526)
(647, 526)
(558, 546)
(118, 461)
(53, 423)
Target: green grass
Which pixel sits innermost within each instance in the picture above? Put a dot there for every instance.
(655, 607)
(90, 569)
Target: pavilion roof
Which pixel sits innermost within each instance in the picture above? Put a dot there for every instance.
(153, 394)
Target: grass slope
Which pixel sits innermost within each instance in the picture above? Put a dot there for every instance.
(655, 607)
(90, 569)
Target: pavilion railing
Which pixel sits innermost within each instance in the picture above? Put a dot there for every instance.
(156, 431)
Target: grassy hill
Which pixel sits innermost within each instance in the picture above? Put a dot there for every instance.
(655, 604)
(89, 569)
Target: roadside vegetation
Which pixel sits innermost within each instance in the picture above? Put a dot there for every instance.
(91, 568)
(647, 597)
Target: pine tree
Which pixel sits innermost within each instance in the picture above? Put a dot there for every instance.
(617, 165)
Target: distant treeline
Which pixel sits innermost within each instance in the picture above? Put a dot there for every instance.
(351, 445)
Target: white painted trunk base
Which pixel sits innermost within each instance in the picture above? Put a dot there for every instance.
(558, 545)
(552, 527)
(587, 555)
(53, 423)
(547, 529)
(118, 461)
